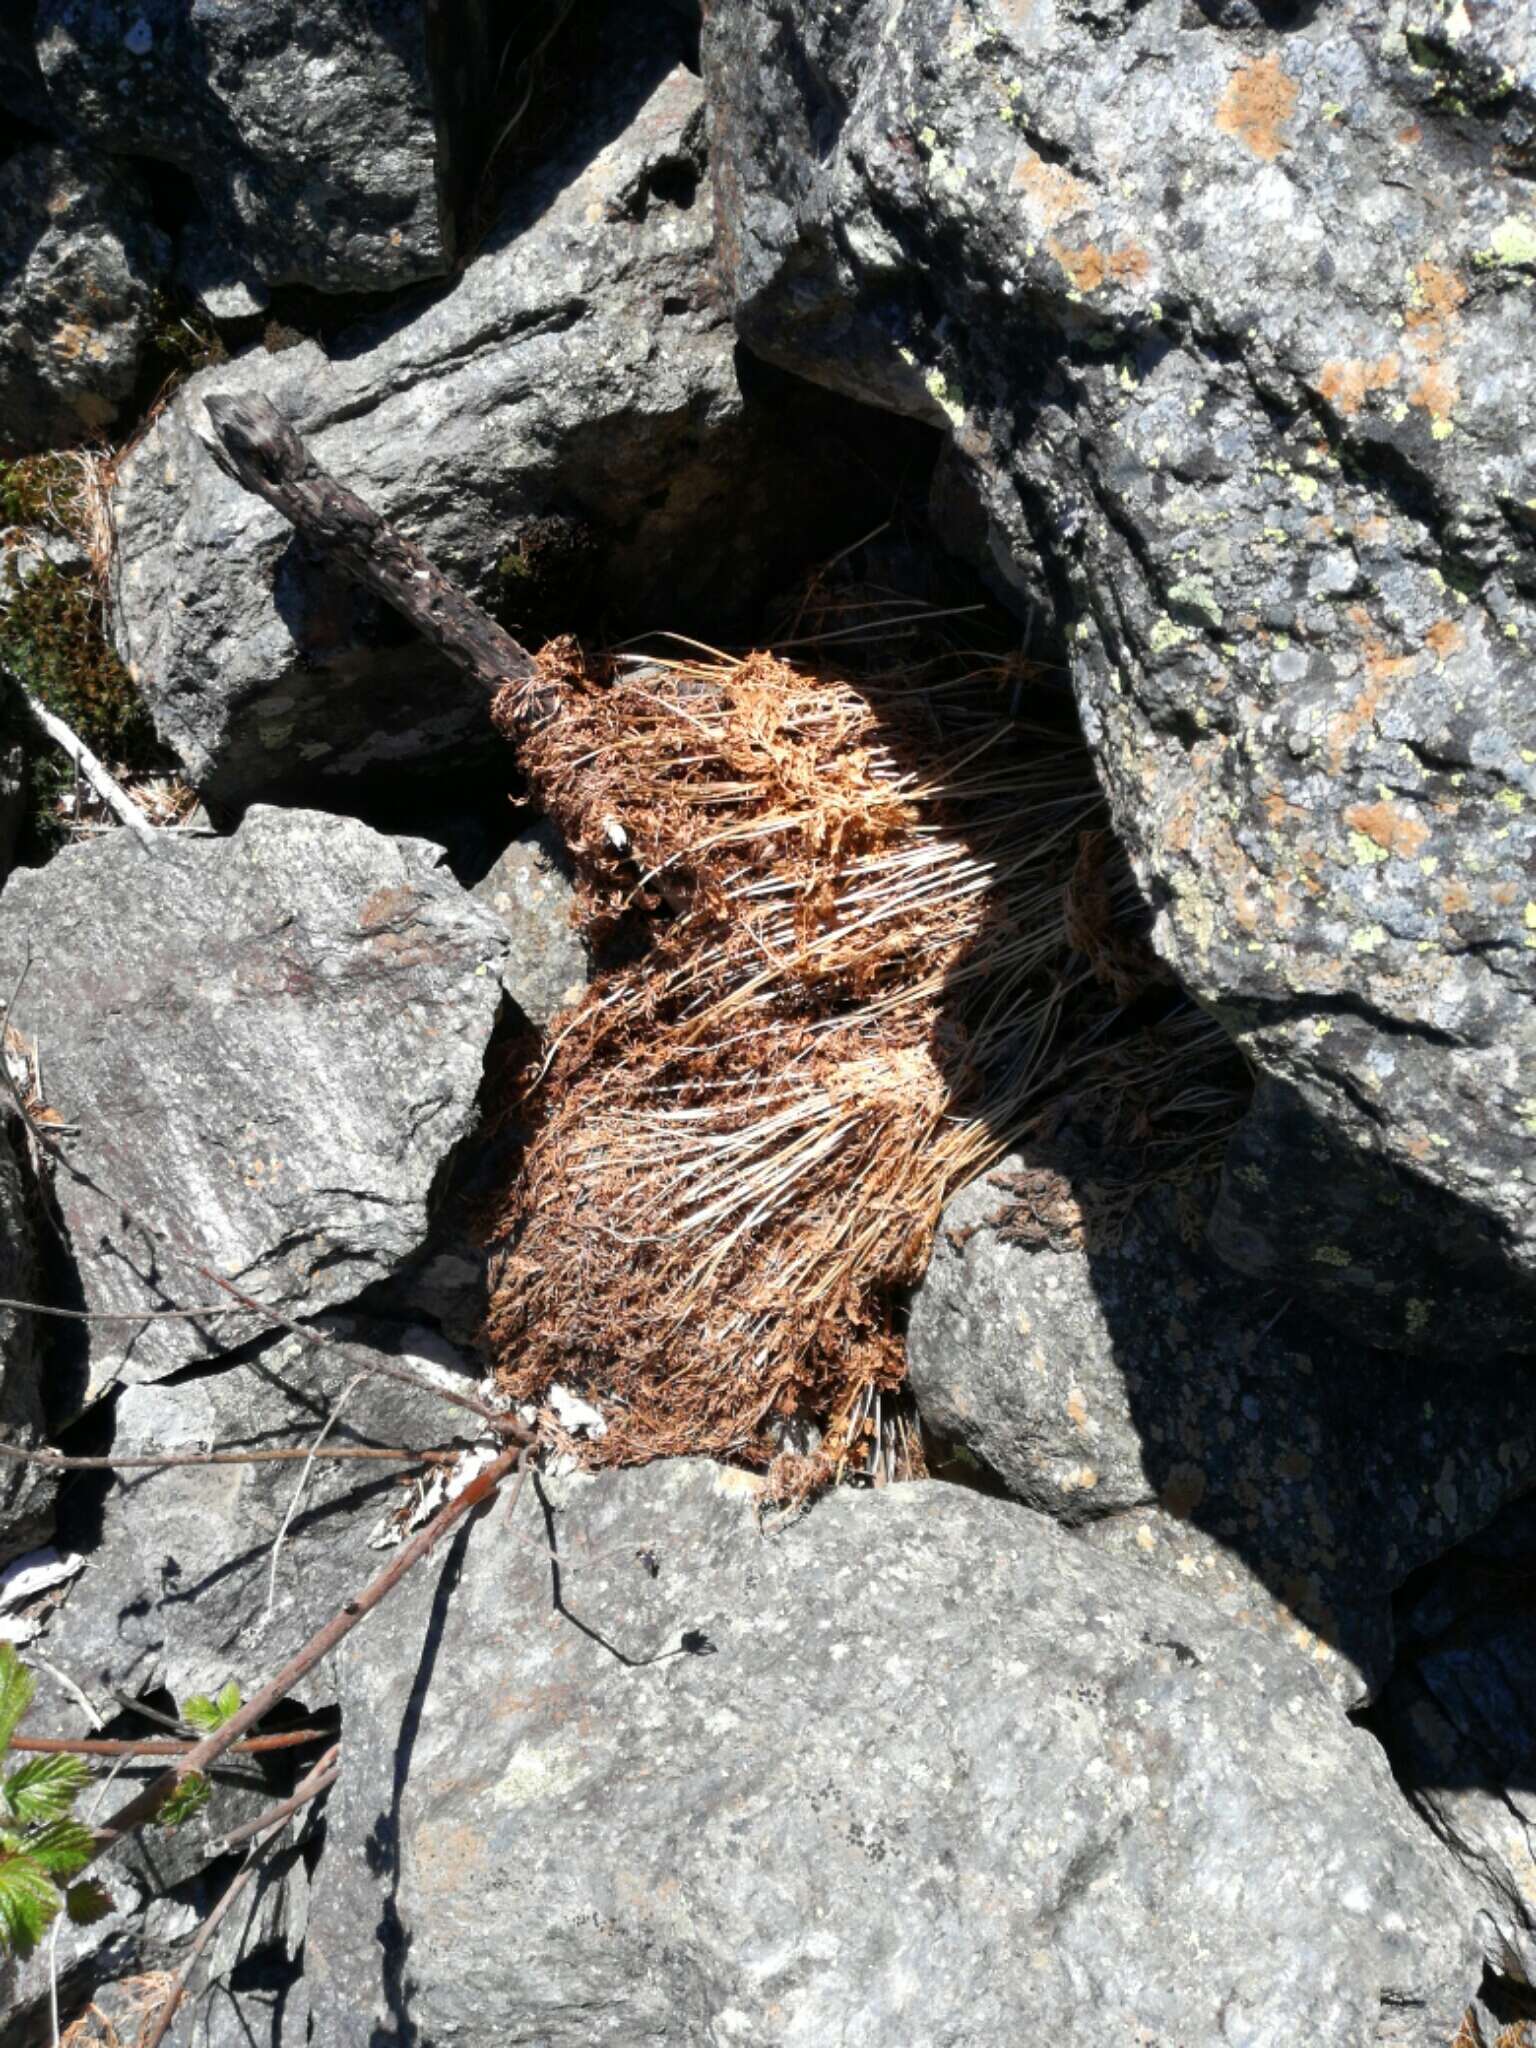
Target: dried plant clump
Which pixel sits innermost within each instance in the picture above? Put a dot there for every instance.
(880, 912)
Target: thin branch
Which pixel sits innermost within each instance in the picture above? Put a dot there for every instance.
(298, 1492)
(324, 1774)
(157, 1745)
(95, 772)
(158, 1460)
(146, 1803)
(124, 1315)
(266, 1830)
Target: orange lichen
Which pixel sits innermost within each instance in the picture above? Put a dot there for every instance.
(1260, 98)
(1051, 192)
(1386, 826)
(1444, 638)
(1090, 266)
(1344, 381)
(1432, 325)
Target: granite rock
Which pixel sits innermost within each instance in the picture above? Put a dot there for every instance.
(266, 1047)
(1227, 311)
(919, 1768)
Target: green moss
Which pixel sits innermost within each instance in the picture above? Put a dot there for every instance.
(51, 637)
(39, 490)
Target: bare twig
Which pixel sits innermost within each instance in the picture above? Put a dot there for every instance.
(95, 771)
(157, 1745)
(298, 1492)
(146, 1803)
(324, 1774)
(160, 1460)
(125, 1315)
(266, 1830)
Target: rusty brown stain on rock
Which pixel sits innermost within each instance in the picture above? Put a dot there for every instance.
(387, 907)
(1432, 325)
(1090, 266)
(1455, 898)
(1398, 831)
(1052, 192)
(1256, 105)
(1443, 638)
(1345, 380)
(1348, 725)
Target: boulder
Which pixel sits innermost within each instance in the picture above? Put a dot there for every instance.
(323, 134)
(919, 1769)
(26, 1493)
(1294, 1475)
(79, 266)
(262, 1049)
(1227, 311)
(531, 888)
(570, 413)
(178, 1590)
(1459, 1722)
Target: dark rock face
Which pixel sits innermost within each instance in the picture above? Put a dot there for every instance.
(582, 372)
(26, 1494)
(79, 263)
(268, 1044)
(1294, 1475)
(1459, 1721)
(312, 127)
(921, 1768)
(1229, 319)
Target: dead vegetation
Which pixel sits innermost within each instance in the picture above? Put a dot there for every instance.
(892, 936)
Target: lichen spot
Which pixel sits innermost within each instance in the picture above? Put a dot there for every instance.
(1345, 380)
(1256, 105)
(1444, 638)
(1395, 831)
(1050, 192)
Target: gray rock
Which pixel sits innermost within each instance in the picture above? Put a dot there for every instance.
(79, 264)
(532, 890)
(1459, 1721)
(178, 1572)
(1296, 1477)
(317, 130)
(26, 1494)
(1233, 332)
(580, 376)
(268, 1045)
(921, 1769)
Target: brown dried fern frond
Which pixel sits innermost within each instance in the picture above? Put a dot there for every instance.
(743, 1145)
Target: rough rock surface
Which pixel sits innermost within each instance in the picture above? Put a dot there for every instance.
(1228, 311)
(531, 890)
(178, 1572)
(26, 1494)
(79, 263)
(1294, 1475)
(268, 1044)
(1459, 1721)
(920, 1769)
(312, 127)
(582, 370)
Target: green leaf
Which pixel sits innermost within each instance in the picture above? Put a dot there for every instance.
(61, 1848)
(28, 1901)
(87, 1902)
(209, 1714)
(190, 1797)
(17, 1686)
(45, 1787)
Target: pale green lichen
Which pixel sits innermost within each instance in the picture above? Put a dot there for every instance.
(1415, 1315)
(1330, 1255)
(1305, 488)
(1367, 939)
(1511, 246)
(1196, 595)
(1367, 853)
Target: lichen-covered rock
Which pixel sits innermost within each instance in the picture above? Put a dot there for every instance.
(919, 1769)
(1294, 1476)
(265, 1046)
(530, 888)
(581, 375)
(26, 1493)
(1459, 1720)
(319, 131)
(1227, 310)
(79, 265)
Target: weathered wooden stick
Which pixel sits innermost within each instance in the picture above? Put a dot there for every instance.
(255, 445)
(94, 770)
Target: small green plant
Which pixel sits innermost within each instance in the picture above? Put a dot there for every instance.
(42, 1843)
(205, 1714)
